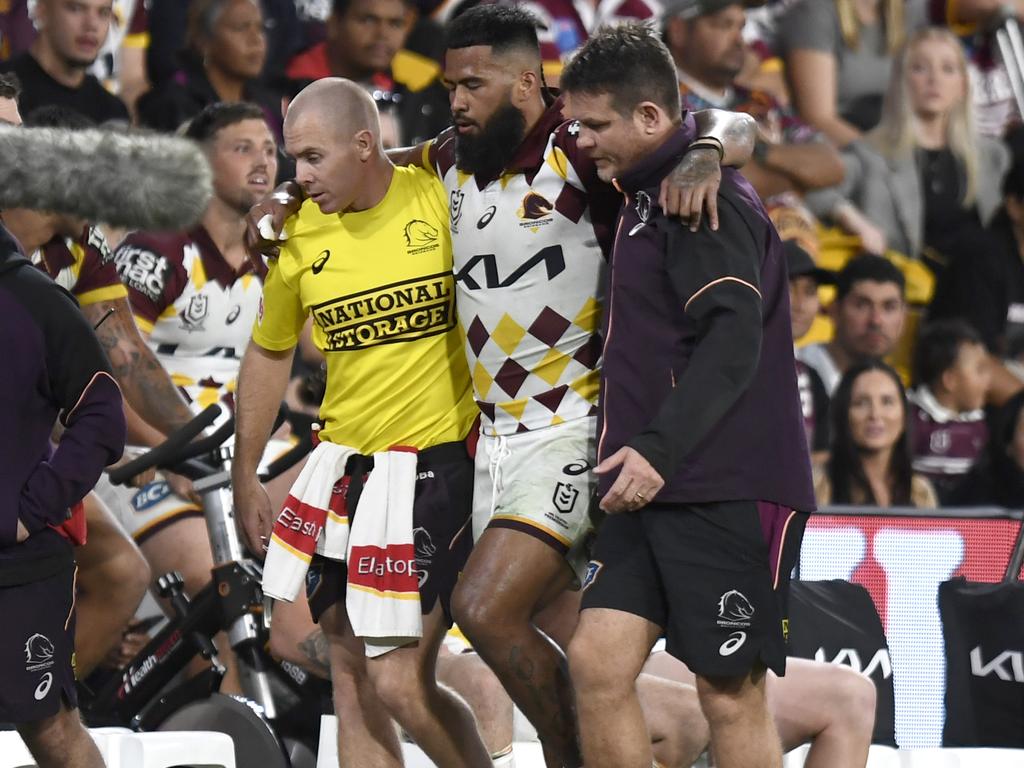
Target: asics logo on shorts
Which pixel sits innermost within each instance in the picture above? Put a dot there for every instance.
(733, 644)
(44, 686)
(734, 609)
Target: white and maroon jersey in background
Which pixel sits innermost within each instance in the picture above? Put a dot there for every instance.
(529, 269)
(814, 404)
(568, 24)
(197, 310)
(945, 444)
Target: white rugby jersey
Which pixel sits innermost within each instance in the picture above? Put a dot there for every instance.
(529, 253)
(197, 310)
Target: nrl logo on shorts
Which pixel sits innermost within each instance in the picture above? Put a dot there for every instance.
(734, 610)
(593, 568)
(565, 498)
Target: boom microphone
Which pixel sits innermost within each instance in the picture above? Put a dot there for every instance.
(125, 179)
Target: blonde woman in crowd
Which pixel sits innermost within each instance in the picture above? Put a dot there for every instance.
(923, 176)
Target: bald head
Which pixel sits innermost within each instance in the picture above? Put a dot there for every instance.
(332, 129)
(338, 104)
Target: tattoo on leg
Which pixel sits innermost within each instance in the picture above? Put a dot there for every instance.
(551, 700)
(315, 649)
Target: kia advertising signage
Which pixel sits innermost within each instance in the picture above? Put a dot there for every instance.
(901, 561)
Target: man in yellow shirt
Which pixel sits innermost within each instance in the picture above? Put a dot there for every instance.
(368, 257)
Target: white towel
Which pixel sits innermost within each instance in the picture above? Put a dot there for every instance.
(383, 597)
(307, 524)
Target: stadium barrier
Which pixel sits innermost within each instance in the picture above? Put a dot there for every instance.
(901, 556)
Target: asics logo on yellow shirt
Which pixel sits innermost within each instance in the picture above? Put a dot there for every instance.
(321, 261)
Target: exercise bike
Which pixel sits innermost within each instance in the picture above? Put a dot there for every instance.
(272, 725)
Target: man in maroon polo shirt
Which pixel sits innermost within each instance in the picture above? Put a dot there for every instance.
(703, 457)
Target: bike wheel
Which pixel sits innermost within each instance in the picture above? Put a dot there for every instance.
(256, 744)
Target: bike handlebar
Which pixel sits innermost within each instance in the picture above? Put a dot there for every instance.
(171, 451)
(179, 448)
(288, 459)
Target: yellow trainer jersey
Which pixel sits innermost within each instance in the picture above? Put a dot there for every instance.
(379, 286)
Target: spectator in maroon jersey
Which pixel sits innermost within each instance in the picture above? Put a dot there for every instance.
(870, 463)
(804, 279)
(952, 376)
(998, 478)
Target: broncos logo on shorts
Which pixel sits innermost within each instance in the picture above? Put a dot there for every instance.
(734, 609)
(39, 652)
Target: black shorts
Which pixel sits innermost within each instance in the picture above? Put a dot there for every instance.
(442, 516)
(37, 648)
(714, 577)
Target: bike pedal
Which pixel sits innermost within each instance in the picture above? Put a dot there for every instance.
(169, 584)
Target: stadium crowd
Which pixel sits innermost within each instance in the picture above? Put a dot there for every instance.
(883, 128)
(886, 150)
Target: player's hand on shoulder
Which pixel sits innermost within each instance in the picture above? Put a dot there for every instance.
(635, 487)
(692, 187)
(264, 224)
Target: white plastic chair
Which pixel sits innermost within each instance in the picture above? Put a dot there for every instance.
(878, 757)
(528, 754)
(164, 749)
(13, 752)
(962, 758)
(122, 748)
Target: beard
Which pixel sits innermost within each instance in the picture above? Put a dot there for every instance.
(486, 154)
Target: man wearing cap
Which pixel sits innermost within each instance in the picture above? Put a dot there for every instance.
(804, 278)
(705, 38)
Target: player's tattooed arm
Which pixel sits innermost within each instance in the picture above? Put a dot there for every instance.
(734, 134)
(145, 383)
(723, 138)
(314, 650)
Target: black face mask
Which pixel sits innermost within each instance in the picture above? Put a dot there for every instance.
(487, 154)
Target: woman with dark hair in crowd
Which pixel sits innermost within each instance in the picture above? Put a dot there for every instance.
(226, 47)
(871, 461)
(999, 477)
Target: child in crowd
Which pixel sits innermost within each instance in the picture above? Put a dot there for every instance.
(804, 279)
(948, 429)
